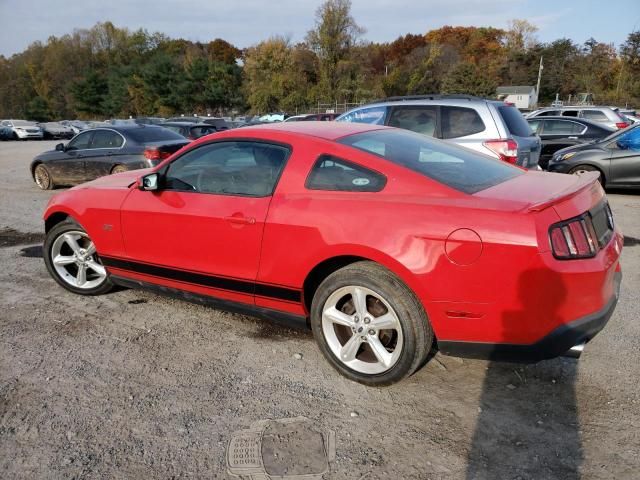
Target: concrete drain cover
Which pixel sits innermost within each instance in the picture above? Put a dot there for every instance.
(291, 448)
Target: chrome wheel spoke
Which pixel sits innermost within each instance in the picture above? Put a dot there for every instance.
(336, 316)
(91, 250)
(385, 322)
(359, 297)
(72, 242)
(381, 353)
(96, 267)
(350, 349)
(63, 260)
(81, 277)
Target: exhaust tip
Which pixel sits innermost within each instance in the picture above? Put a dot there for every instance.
(575, 351)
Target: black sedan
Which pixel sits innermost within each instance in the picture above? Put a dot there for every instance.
(561, 132)
(102, 151)
(192, 131)
(616, 157)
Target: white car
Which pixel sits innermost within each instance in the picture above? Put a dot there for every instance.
(23, 129)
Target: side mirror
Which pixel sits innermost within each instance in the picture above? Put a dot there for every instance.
(148, 182)
(60, 147)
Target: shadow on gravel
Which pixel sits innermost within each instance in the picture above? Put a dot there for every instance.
(527, 425)
(32, 252)
(277, 333)
(631, 241)
(10, 237)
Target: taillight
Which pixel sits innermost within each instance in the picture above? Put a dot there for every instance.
(622, 125)
(155, 155)
(507, 150)
(574, 238)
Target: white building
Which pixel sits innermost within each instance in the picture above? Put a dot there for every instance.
(523, 97)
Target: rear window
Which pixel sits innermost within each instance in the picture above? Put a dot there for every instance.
(152, 134)
(515, 122)
(456, 167)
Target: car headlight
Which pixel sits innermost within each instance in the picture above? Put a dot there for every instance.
(567, 156)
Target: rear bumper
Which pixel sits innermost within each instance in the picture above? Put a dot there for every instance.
(552, 345)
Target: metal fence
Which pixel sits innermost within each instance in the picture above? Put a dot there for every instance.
(335, 107)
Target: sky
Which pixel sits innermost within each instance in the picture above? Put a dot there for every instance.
(246, 22)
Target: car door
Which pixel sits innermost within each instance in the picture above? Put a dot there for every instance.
(67, 166)
(104, 153)
(624, 167)
(202, 230)
(557, 134)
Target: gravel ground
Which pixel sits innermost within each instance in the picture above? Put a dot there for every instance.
(132, 385)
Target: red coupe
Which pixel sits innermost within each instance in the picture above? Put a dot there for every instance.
(385, 242)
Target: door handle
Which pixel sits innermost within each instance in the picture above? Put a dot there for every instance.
(573, 138)
(240, 220)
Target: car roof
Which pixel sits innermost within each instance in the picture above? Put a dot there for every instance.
(324, 130)
(125, 128)
(584, 121)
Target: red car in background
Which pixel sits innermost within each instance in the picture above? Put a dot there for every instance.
(384, 241)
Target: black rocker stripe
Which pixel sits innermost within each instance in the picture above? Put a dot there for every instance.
(223, 283)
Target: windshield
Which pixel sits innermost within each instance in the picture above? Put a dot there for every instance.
(451, 165)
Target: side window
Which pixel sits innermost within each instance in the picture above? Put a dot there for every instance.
(570, 113)
(80, 142)
(373, 115)
(106, 139)
(536, 125)
(548, 113)
(335, 174)
(460, 122)
(561, 127)
(229, 168)
(630, 140)
(594, 115)
(419, 119)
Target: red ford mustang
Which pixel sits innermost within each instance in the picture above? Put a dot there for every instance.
(384, 241)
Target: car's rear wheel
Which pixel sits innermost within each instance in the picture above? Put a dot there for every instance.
(71, 258)
(580, 169)
(42, 177)
(118, 169)
(370, 325)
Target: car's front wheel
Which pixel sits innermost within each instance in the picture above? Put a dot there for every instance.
(71, 258)
(42, 177)
(370, 325)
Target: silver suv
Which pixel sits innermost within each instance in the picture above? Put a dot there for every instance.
(604, 115)
(486, 126)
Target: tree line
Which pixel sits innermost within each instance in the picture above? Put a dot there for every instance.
(107, 72)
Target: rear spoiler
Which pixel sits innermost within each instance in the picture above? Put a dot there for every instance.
(584, 181)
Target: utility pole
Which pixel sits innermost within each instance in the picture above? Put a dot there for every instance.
(539, 78)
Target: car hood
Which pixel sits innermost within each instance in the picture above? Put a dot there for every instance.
(589, 146)
(116, 180)
(536, 190)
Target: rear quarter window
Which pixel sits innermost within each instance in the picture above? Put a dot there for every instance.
(335, 174)
(514, 121)
(460, 122)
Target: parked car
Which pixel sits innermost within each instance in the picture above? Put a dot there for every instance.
(486, 126)
(6, 133)
(192, 131)
(561, 132)
(149, 120)
(604, 115)
(219, 123)
(76, 125)
(51, 130)
(388, 242)
(23, 129)
(322, 117)
(101, 151)
(615, 158)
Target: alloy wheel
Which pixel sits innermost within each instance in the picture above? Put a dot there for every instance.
(362, 330)
(75, 261)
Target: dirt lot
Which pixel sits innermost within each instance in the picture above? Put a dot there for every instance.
(132, 385)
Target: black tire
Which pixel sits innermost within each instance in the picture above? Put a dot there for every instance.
(588, 168)
(416, 330)
(53, 234)
(42, 177)
(119, 169)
